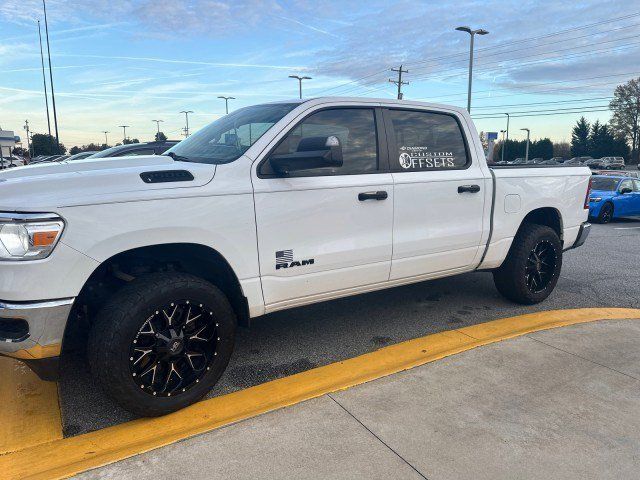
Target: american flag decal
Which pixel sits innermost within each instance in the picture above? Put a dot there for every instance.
(284, 256)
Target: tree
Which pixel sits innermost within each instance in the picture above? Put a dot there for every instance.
(74, 150)
(128, 141)
(580, 138)
(625, 120)
(21, 152)
(562, 149)
(542, 148)
(160, 137)
(43, 144)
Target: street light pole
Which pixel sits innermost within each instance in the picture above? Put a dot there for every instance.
(186, 117)
(300, 79)
(124, 132)
(502, 149)
(26, 127)
(44, 80)
(53, 96)
(106, 142)
(526, 155)
(472, 33)
(226, 102)
(158, 124)
(505, 144)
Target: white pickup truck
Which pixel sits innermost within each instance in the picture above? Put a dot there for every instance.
(158, 258)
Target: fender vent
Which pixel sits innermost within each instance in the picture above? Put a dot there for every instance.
(166, 176)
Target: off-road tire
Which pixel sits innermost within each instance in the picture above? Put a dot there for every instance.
(511, 278)
(119, 322)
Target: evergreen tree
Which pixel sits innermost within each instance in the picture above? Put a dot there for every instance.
(580, 138)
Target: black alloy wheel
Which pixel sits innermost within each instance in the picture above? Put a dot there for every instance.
(174, 348)
(606, 213)
(541, 266)
(162, 342)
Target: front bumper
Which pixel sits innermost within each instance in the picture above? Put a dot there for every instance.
(583, 233)
(33, 330)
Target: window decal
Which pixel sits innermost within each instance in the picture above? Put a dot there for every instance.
(423, 158)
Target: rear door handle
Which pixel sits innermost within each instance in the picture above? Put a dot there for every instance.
(469, 188)
(379, 195)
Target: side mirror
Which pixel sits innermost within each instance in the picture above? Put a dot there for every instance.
(625, 190)
(312, 152)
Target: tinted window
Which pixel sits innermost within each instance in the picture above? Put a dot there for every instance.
(230, 136)
(354, 127)
(426, 141)
(143, 151)
(604, 183)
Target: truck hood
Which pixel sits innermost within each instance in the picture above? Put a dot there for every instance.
(45, 186)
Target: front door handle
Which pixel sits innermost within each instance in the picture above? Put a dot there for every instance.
(379, 195)
(469, 188)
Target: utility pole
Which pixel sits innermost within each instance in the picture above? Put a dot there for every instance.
(226, 102)
(526, 155)
(106, 142)
(124, 132)
(399, 82)
(44, 80)
(53, 96)
(472, 33)
(300, 79)
(505, 143)
(502, 149)
(186, 118)
(26, 127)
(158, 124)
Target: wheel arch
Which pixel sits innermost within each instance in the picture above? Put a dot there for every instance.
(548, 216)
(124, 267)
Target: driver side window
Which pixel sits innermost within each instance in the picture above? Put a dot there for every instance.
(354, 127)
(625, 184)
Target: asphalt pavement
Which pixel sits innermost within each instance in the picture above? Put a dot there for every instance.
(602, 273)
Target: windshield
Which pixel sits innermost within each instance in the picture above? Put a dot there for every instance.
(226, 139)
(602, 183)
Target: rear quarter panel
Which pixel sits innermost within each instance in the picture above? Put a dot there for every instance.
(519, 191)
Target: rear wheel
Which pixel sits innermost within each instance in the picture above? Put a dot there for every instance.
(606, 213)
(531, 270)
(162, 342)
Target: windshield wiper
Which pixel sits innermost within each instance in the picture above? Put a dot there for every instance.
(176, 157)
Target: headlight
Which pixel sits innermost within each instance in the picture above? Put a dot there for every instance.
(595, 199)
(28, 236)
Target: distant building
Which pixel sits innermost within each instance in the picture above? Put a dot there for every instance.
(7, 142)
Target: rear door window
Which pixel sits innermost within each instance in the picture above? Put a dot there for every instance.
(425, 141)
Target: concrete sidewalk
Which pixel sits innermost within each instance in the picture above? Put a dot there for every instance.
(562, 403)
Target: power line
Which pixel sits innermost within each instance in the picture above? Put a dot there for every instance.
(545, 103)
(543, 110)
(504, 45)
(545, 114)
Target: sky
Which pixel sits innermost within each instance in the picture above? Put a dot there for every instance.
(119, 62)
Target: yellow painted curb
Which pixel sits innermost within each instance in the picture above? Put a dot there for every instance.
(30, 411)
(63, 458)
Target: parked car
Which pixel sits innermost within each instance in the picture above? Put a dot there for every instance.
(594, 163)
(11, 162)
(613, 197)
(271, 207)
(574, 161)
(149, 148)
(612, 163)
(536, 160)
(80, 156)
(617, 174)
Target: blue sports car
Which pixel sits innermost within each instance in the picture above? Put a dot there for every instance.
(613, 197)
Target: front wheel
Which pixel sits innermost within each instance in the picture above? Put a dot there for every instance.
(162, 342)
(531, 270)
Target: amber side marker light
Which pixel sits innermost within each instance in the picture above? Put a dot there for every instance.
(44, 239)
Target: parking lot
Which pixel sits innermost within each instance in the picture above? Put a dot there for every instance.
(599, 274)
